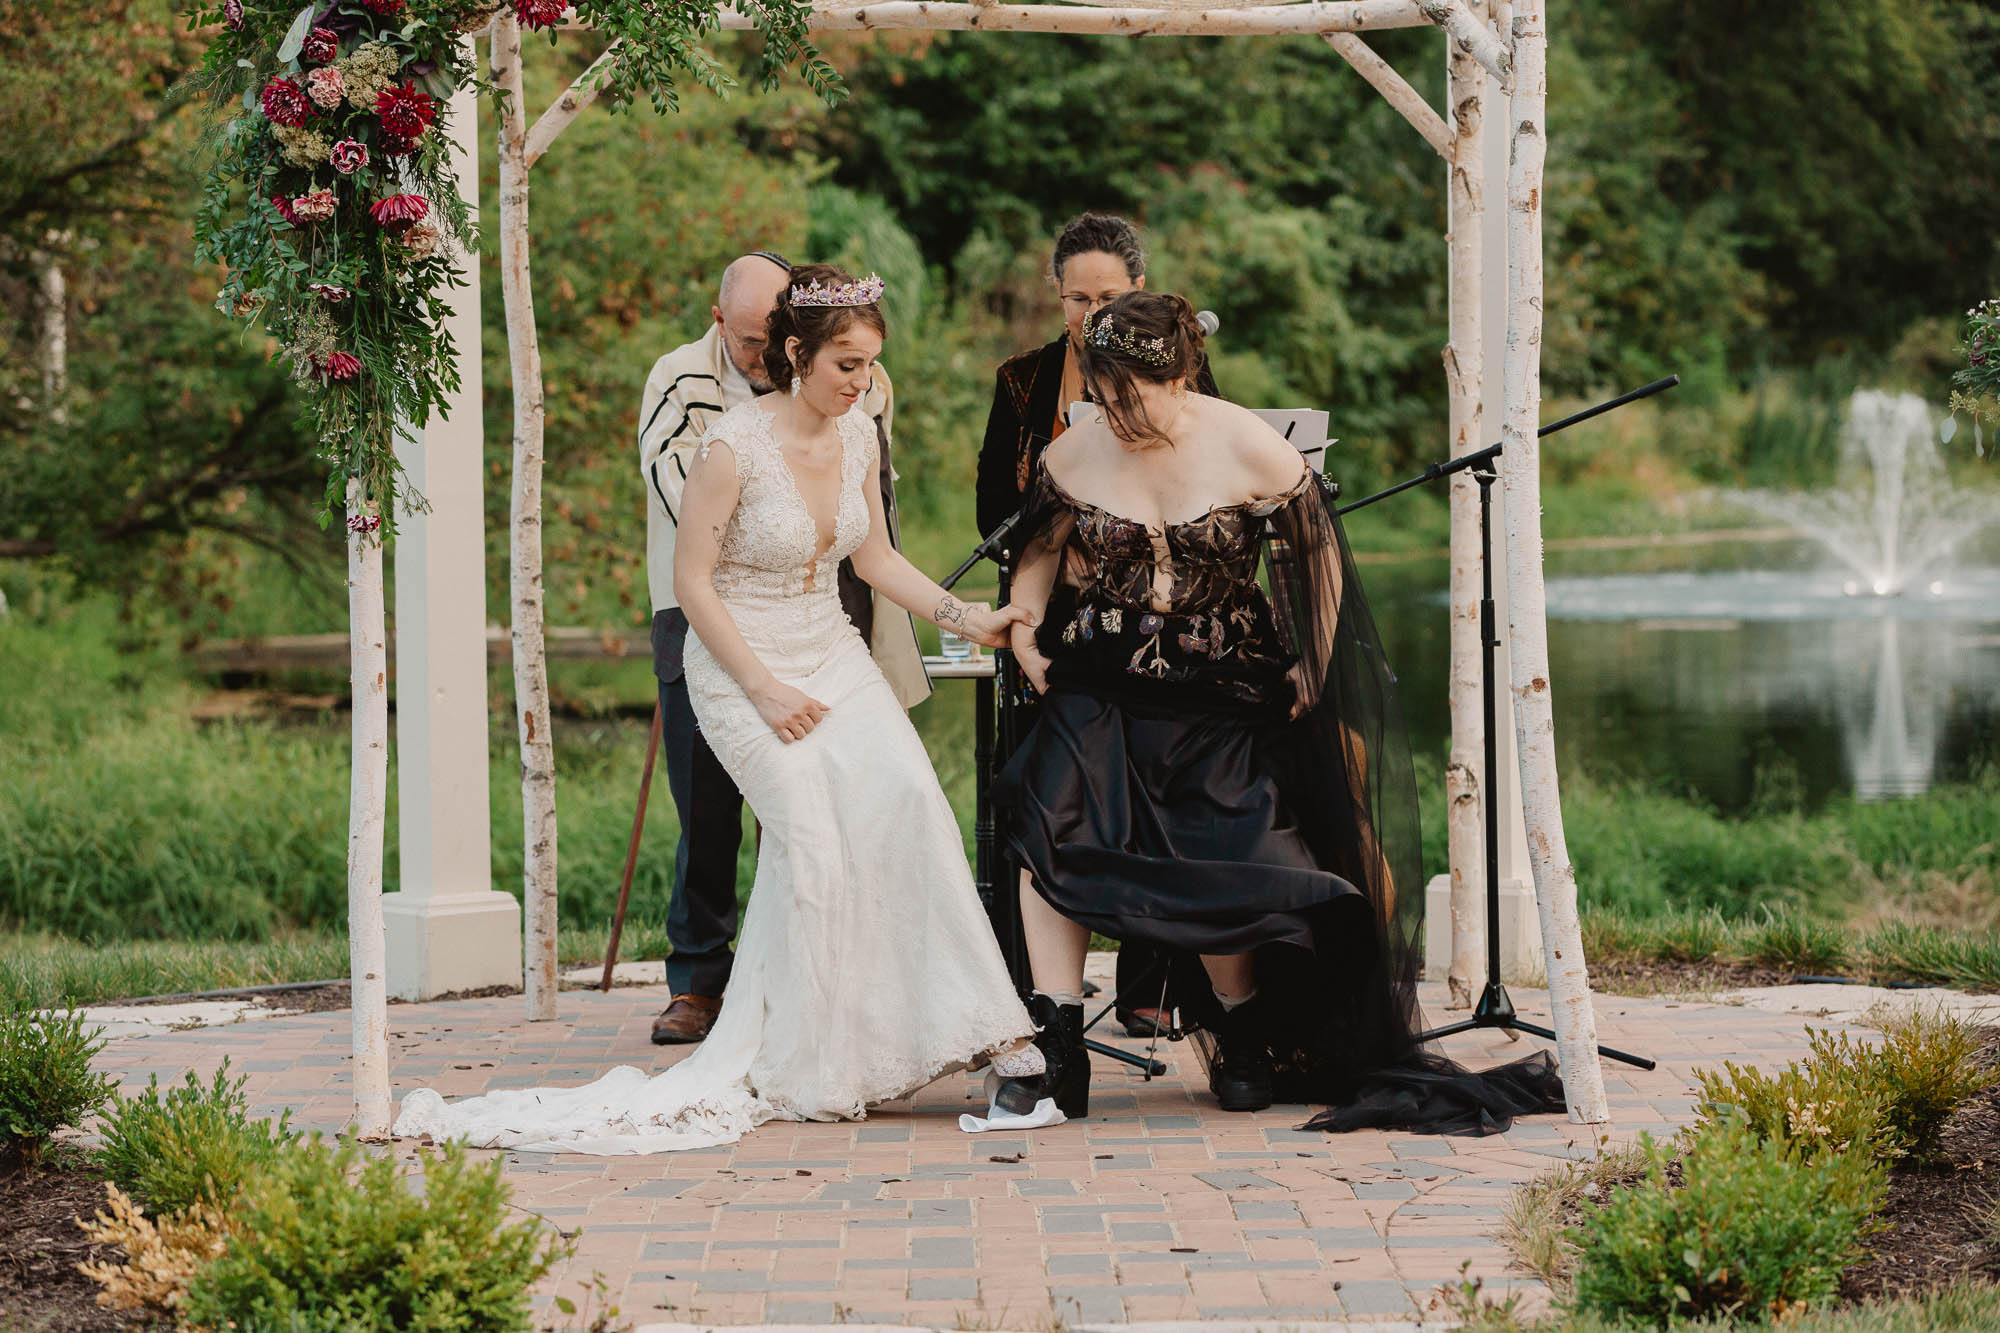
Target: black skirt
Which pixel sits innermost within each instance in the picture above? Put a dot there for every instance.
(1163, 824)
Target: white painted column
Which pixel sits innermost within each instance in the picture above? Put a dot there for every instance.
(449, 929)
(1520, 930)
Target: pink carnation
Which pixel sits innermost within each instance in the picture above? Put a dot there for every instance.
(285, 103)
(325, 86)
(232, 15)
(320, 44)
(341, 366)
(349, 156)
(399, 211)
(285, 209)
(540, 13)
(328, 292)
(314, 205)
(421, 241)
(364, 523)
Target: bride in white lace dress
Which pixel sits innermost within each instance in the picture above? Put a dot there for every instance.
(866, 966)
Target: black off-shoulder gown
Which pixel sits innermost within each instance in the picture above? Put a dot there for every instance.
(1167, 793)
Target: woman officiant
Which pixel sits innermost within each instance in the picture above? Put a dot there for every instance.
(1098, 258)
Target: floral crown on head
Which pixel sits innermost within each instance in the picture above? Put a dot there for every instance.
(862, 291)
(1098, 332)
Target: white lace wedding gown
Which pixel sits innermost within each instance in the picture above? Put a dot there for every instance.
(865, 967)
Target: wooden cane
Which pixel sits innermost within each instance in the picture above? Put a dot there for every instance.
(632, 851)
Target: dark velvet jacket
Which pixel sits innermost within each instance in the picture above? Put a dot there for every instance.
(1021, 425)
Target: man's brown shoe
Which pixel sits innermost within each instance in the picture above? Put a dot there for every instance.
(686, 1020)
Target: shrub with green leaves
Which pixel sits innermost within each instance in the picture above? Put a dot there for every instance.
(1752, 1230)
(340, 1241)
(1824, 1104)
(194, 1143)
(1926, 1066)
(1892, 1098)
(46, 1082)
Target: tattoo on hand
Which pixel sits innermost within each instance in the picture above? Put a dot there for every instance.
(950, 611)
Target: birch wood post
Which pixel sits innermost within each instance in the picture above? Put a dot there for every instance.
(367, 813)
(1464, 368)
(531, 675)
(1534, 720)
(52, 328)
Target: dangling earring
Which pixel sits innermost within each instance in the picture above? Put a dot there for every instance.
(795, 386)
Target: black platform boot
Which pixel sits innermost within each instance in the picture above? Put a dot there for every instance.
(1241, 1078)
(1066, 1078)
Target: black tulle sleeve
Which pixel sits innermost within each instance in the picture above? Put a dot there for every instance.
(1349, 774)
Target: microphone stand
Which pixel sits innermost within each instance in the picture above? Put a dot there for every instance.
(1495, 1009)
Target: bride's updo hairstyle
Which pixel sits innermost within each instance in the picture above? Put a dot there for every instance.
(813, 325)
(1149, 336)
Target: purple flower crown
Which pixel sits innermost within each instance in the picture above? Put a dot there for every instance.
(1098, 332)
(862, 291)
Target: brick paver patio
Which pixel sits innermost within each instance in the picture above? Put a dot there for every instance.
(1158, 1207)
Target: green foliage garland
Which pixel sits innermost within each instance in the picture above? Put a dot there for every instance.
(330, 201)
(1976, 388)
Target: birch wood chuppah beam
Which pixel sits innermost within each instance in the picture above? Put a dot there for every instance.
(1464, 375)
(531, 670)
(1395, 90)
(1575, 1020)
(1095, 21)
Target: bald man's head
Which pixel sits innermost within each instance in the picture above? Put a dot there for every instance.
(750, 287)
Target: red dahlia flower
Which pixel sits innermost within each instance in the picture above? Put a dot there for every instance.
(384, 8)
(320, 44)
(401, 210)
(396, 145)
(405, 110)
(540, 13)
(341, 366)
(285, 103)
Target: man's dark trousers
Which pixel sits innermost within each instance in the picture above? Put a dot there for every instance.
(701, 920)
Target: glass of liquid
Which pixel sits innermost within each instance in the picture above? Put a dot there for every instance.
(952, 646)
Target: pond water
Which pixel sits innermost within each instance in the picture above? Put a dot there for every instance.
(1695, 668)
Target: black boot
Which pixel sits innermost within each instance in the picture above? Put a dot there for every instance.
(1241, 1078)
(1066, 1078)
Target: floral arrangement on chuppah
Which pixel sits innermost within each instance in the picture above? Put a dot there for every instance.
(330, 199)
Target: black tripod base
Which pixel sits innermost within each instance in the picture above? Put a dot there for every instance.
(1496, 1010)
(1150, 1068)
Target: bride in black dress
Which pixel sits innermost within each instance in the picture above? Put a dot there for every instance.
(1218, 767)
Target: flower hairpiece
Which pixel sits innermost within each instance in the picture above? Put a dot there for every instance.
(863, 291)
(1098, 332)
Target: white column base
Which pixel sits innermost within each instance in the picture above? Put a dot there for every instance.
(1521, 961)
(445, 942)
